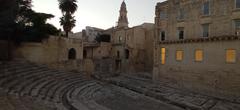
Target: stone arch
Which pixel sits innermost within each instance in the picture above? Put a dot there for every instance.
(72, 54)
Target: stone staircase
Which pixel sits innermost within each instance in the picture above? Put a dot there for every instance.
(160, 91)
(29, 86)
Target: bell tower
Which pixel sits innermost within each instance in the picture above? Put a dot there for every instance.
(123, 20)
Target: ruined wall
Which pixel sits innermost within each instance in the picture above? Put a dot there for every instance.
(53, 52)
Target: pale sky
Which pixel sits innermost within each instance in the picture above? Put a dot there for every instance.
(101, 13)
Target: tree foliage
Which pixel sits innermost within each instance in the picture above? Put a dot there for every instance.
(68, 8)
(8, 10)
(21, 23)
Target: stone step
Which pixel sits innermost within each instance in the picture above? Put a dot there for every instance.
(7, 73)
(27, 90)
(20, 87)
(43, 91)
(21, 74)
(37, 90)
(59, 93)
(87, 93)
(92, 92)
(19, 81)
(75, 103)
(85, 89)
(65, 102)
(58, 80)
(53, 90)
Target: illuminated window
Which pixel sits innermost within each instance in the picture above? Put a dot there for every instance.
(231, 56)
(199, 55)
(163, 55)
(179, 55)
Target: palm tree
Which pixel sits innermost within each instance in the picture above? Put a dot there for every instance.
(68, 8)
(68, 22)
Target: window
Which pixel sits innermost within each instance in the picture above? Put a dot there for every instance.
(163, 55)
(205, 28)
(206, 10)
(162, 35)
(181, 33)
(181, 14)
(163, 15)
(120, 39)
(237, 3)
(237, 27)
(231, 56)
(179, 55)
(199, 55)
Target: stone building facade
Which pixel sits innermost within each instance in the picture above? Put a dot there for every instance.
(132, 48)
(129, 50)
(197, 46)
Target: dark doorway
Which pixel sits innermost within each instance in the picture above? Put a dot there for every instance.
(84, 53)
(118, 54)
(72, 54)
(126, 53)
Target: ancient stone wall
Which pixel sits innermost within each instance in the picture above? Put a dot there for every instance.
(54, 52)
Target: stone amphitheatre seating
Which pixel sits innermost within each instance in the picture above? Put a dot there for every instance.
(164, 92)
(53, 88)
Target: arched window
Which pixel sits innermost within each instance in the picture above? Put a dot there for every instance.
(126, 53)
(72, 54)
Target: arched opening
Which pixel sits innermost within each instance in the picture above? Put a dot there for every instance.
(84, 53)
(118, 54)
(72, 54)
(126, 53)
